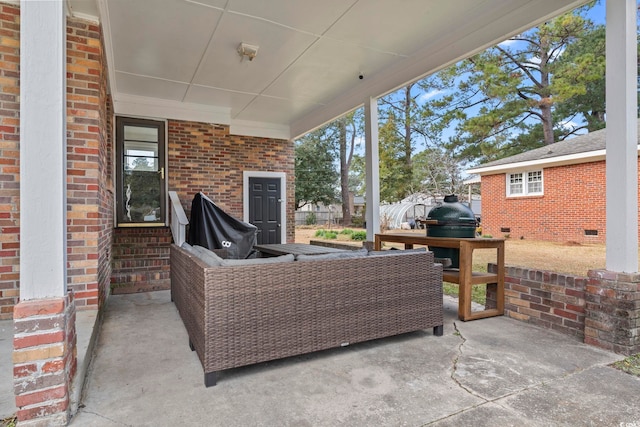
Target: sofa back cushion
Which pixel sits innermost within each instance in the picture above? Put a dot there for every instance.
(333, 255)
(257, 261)
(392, 252)
(210, 258)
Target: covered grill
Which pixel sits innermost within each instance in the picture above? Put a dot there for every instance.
(450, 219)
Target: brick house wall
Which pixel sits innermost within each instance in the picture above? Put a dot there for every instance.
(573, 201)
(89, 218)
(89, 152)
(202, 157)
(205, 157)
(9, 159)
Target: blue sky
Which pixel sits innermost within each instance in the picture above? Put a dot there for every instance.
(596, 14)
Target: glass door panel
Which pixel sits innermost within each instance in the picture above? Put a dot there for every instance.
(141, 187)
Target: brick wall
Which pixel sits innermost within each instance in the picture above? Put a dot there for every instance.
(9, 159)
(613, 311)
(105, 197)
(89, 152)
(205, 157)
(602, 309)
(88, 174)
(546, 299)
(573, 201)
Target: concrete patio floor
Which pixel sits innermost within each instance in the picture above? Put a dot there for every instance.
(495, 371)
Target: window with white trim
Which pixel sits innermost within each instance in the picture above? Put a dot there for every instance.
(524, 184)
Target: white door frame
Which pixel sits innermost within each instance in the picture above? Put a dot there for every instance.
(283, 197)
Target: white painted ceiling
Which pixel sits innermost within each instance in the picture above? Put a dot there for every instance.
(179, 59)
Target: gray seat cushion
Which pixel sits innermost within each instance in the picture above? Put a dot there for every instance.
(257, 261)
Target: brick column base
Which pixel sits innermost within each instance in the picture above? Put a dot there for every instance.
(613, 311)
(44, 360)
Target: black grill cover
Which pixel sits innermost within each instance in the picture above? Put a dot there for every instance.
(212, 228)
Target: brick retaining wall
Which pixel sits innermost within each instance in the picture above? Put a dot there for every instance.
(543, 298)
(602, 309)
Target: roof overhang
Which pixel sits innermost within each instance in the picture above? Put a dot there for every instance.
(179, 58)
(586, 157)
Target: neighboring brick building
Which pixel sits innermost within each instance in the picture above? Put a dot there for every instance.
(554, 193)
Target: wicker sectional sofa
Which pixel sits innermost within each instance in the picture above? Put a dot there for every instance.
(239, 314)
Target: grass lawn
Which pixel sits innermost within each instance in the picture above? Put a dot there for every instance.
(566, 257)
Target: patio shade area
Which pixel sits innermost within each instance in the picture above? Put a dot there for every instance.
(280, 68)
(225, 87)
(497, 371)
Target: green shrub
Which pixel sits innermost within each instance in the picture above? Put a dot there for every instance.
(311, 219)
(346, 231)
(330, 235)
(357, 221)
(359, 235)
(320, 233)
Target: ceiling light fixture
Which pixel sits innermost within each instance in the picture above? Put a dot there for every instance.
(247, 50)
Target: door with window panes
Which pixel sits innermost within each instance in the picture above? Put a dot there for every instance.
(140, 173)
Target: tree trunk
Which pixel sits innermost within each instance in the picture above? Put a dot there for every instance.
(407, 138)
(344, 173)
(547, 124)
(546, 101)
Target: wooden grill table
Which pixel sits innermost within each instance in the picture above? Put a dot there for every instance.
(464, 276)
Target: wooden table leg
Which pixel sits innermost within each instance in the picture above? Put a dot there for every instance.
(464, 287)
(500, 290)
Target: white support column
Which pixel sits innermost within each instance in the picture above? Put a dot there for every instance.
(43, 167)
(372, 168)
(622, 138)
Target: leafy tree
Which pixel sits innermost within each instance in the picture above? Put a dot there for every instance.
(349, 128)
(142, 164)
(399, 111)
(510, 88)
(323, 163)
(315, 175)
(394, 179)
(437, 172)
(583, 65)
(357, 175)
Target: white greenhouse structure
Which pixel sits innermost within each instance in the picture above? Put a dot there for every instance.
(404, 213)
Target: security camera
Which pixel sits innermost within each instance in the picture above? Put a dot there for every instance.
(361, 77)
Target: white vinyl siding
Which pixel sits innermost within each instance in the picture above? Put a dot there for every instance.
(524, 184)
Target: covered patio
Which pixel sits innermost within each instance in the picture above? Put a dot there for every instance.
(232, 83)
(492, 372)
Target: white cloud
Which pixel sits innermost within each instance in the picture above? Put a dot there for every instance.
(552, 57)
(568, 124)
(431, 94)
(507, 43)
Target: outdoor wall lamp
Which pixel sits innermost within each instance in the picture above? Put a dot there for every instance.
(247, 50)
